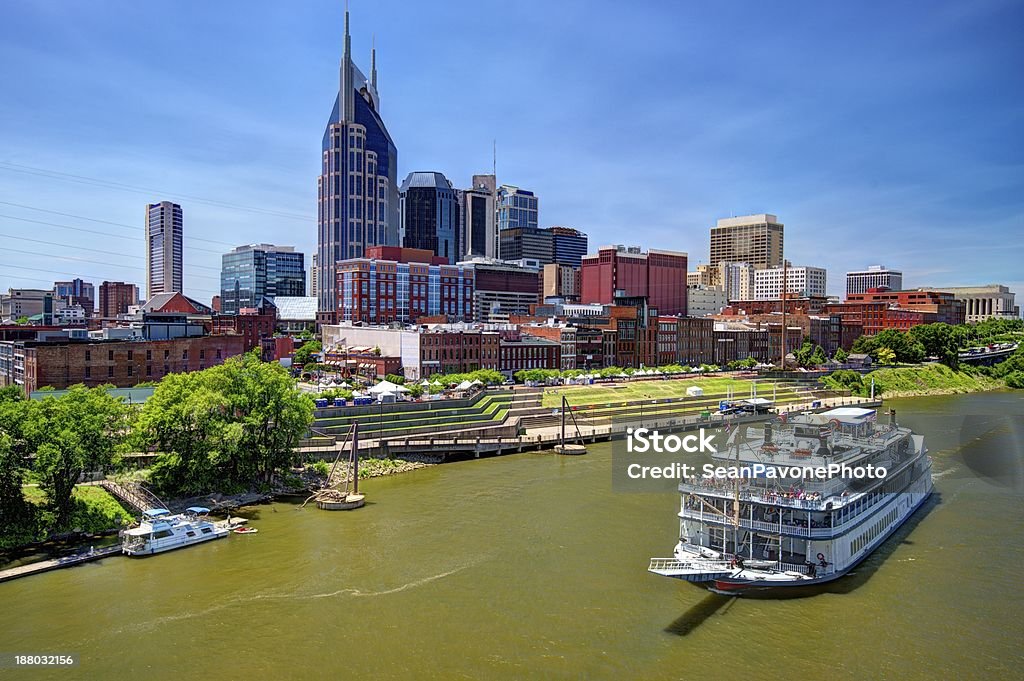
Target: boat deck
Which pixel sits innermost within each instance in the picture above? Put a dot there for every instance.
(57, 563)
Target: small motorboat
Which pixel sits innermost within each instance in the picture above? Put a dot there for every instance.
(245, 530)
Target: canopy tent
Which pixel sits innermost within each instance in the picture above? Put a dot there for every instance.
(387, 387)
(465, 385)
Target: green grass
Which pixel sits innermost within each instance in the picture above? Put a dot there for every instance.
(603, 393)
(928, 378)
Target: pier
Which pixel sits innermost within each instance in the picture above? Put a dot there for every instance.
(57, 563)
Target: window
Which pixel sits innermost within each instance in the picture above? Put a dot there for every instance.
(131, 370)
(202, 354)
(110, 372)
(167, 354)
(149, 369)
(110, 355)
(184, 354)
(88, 355)
(88, 372)
(131, 355)
(149, 355)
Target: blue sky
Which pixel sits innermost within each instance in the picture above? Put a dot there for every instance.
(885, 132)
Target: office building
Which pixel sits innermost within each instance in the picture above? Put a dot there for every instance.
(37, 305)
(800, 282)
(314, 275)
(516, 208)
(77, 293)
(736, 279)
(562, 245)
(116, 297)
(478, 232)
(164, 248)
(394, 284)
(753, 239)
(358, 204)
(704, 300)
(502, 289)
(249, 273)
(618, 272)
(560, 281)
(568, 246)
(875, 276)
(429, 215)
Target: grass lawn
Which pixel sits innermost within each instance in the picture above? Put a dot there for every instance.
(606, 393)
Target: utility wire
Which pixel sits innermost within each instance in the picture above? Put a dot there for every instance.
(95, 262)
(93, 250)
(83, 179)
(93, 231)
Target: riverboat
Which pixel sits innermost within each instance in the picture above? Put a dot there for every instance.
(160, 530)
(786, 525)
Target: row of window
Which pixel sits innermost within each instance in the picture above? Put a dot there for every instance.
(149, 354)
(863, 540)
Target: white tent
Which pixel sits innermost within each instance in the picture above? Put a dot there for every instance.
(465, 385)
(387, 387)
(694, 391)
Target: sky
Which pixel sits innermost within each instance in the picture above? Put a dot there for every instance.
(878, 132)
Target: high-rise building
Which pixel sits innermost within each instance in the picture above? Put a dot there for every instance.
(875, 276)
(561, 281)
(562, 245)
(616, 273)
(116, 297)
(429, 215)
(248, 273)
(77, 292)
(502, 289)
(516, 208)
(801, 282)
(358, 202)
(163, 248)
(478, 234)
(568, 246)
(736, 279)
(753, 239)
(314, 276)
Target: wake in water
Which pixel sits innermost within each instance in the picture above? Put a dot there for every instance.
(240, 600)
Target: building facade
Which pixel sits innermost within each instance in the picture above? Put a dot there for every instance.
(164, 248)
(736, 279)
(561, 281)
(31, 303)
(875, 276)
(984, 302)
(568, 246)
(799, 281)
(616, 272)
(516, 208)
(478, 219)
(379, 290)
(753, 239)
(502, 290)
(941, 304)
(704, 300)
(250, 273)
(116, 297)
(429, 215)
(357, 190)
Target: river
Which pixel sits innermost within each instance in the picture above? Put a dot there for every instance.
(531, 566)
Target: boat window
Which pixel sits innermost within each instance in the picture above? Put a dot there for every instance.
(190, 533)
(207, 530)
(162, 534)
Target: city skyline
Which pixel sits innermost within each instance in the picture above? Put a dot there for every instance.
(835, 155)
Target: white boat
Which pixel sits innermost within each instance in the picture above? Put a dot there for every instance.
(160, 530)
(783, 528)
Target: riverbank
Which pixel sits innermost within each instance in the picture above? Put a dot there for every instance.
(929, 379)
(94, 512)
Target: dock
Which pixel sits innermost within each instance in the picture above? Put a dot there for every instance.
(57, 563)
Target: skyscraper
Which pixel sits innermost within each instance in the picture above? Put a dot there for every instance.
(358, 188)
(516, 208)
(77, 292)
(753, 239)
(314, 276)
(430, 215)
(250, 272)
(568, 246)
(874, 276)
(163, 248)
(478, 233)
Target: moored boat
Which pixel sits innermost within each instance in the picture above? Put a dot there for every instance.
(160, 530)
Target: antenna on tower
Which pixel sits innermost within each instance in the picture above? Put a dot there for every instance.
(373, 61)
(494, 160)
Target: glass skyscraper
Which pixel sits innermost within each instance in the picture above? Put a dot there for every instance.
(358, 188)
(430, 215)
(516, 208)
(248, 273)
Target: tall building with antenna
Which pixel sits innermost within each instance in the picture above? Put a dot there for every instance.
(358, 203)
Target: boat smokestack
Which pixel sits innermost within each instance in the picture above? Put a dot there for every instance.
(892, 418)
(767, 432)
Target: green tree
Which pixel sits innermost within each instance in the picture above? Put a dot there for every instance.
(938, 340)
(21, 321)
(841, 355)
(885, 355)
(304, 354)
(80, 431)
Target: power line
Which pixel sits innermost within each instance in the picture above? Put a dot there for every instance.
(93, 250)
(95, 262)
(83, 179)
(72, 274)
(93, 231)
(105, 222)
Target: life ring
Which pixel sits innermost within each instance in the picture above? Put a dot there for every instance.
(835, 424)
(821, 556)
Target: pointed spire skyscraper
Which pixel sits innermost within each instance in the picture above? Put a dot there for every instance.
(357, 192)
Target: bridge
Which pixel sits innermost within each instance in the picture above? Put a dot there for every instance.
(988, 357)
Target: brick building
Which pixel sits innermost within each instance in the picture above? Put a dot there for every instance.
(116, 297)
(941, 304)
(618, 272)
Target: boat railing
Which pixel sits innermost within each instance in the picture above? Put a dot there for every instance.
(704, 564)
(767, 526)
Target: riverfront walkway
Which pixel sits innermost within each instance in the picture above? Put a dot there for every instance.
(57, 563)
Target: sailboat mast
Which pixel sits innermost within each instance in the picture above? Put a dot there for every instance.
(355, 458)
